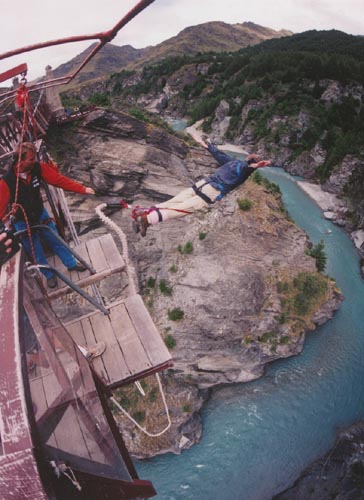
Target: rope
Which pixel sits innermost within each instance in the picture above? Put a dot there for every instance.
(129, 267)
(61, 468)
(118, 405)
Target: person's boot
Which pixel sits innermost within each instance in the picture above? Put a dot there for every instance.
(52, 281)
(143, 223)
(78, 267)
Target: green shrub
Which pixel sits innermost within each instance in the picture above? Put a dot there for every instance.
(175, 314)
(164, 288)
(282, 286)
(244, 204)
(170, 341)
(202, 235)
(267, 337)
(285, 339)
(138, 114)
(282, 318)
(152, 396)
(151, 282)
(139, 416)
(123, 400)
(187, 408)
(187, 248)
(308, 288)
(99, 99)
(173, 268)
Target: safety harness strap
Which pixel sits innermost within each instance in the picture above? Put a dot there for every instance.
(202, 195)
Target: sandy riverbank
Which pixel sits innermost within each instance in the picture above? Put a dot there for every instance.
(326, 201)
(195, 132)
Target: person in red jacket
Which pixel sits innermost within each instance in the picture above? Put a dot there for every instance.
(22, 181)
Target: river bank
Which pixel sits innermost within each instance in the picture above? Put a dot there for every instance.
(196, 133)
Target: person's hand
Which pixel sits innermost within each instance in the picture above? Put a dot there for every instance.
(89, 191)
(261, 164)
(5, 241)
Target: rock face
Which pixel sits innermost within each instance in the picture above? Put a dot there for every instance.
(337, 475)
(220, 268)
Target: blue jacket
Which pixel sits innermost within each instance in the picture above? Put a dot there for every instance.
(230, 174)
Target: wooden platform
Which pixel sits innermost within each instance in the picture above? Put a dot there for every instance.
(101, 253)
(134, 349)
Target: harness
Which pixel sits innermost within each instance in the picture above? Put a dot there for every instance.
(29, 196)
(204, 196)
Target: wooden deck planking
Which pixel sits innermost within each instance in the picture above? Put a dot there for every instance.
(111, 252)
(134, 346)
(90, 339)
(103, 256)
(135, 356)
(146, 330)
(96, 255)
(113, 358)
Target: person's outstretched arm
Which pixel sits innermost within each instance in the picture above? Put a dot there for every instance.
(219, 156)
(53, 177)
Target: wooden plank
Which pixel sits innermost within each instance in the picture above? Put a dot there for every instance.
(82, 251)
(40, 403)
(96, 255)
(90, 280)
(90, 339)
(111, 252)
(146, 330)
(76, 332)
(135, 356)
(113, 356)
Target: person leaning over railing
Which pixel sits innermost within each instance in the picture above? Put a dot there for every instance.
(21, 184)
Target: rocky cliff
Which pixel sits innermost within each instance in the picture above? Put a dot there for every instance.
(338, 475)
(226, 286)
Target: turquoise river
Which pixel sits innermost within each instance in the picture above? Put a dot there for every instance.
(257, 437)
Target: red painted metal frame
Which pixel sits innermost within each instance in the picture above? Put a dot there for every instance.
(17, 70)
(19, 476)
(103, 37)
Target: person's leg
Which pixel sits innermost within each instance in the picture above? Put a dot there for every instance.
(37, 247)
(58, 248)
(184, 203)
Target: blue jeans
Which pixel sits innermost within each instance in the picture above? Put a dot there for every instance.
(63, 253)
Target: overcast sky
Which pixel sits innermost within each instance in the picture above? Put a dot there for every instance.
(26, 22)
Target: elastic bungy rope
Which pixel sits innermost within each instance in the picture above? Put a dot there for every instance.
(118, 405)
(131, 276)
(129, 268)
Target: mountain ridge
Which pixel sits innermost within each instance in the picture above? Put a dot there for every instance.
(215, 36)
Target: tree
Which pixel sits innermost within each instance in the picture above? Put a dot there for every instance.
(318, 253)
